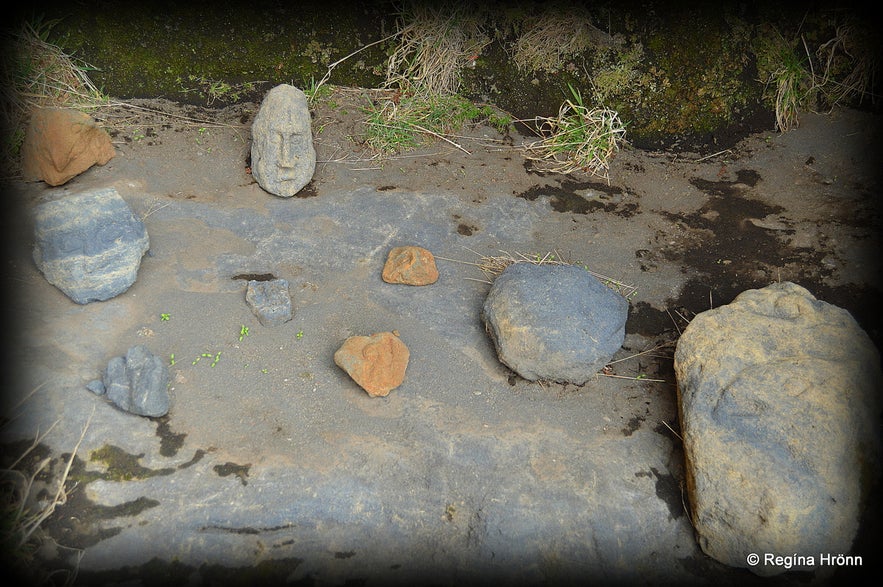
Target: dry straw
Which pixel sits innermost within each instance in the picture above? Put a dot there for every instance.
(435, 43)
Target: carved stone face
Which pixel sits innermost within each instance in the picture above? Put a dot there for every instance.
(282, 155)
(289, 141)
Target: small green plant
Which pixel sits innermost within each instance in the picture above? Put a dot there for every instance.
(405, 121)
(172, 359)
(165, 317)
(579, 138)
(213, 90)
(786, 69)
(316, 91)
(137, 135)
(243, 332)
(299, 335)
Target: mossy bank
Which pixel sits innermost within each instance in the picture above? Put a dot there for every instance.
(678, 74)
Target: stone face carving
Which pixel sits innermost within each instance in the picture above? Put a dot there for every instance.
(410, 265)
(779, 410)
(89, 245)
(377, 362)
(282, 155)
(62, 143)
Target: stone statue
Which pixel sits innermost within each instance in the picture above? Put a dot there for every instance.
(282, 155)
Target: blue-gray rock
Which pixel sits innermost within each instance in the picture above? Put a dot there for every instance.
(283, 158)
(270, 301)
(780, 407)
(96, 386)
(138, 383)
(89, 245)
(554, 322)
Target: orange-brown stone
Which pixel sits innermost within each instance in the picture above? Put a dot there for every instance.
(410, 265)
(377, 362)
(61, 143)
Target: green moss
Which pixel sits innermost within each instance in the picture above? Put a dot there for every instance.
(123, 466)
(182, 51)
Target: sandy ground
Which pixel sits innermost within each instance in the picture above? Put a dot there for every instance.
(275, 455)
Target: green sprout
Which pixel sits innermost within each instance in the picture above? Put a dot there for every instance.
(172, 359)
(243, 332)
(165, 317)
(299, 335)
(217, 358)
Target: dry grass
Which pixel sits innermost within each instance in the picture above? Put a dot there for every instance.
(36, 73)
(854, 54)
(24, 510)
(435, 43)
(579, 138)
(493, 266)
(553, 37)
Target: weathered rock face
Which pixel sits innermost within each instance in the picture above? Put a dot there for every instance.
(89, 245)
(377, 362)
(61, 143)
(554, 322)
(138, 383)
(283, 158)
(270, 301)
(410, 265)
(779, 405)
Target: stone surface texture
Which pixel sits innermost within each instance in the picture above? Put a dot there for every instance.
(89, 245)
(138, 383)
(554, 322)
(270, 301)
(779, 407)
(410, 265)
(283, 158)
(377, 362)
(61, 143)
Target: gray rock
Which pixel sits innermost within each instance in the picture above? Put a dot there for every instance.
(270, 301)
(283, 158)
(138, 383)
(89, 245)
(779, 406)
(96, 386)
(554, 322)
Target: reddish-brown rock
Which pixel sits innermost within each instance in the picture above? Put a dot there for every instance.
(61, 143)
(377, 362)
(410, 265)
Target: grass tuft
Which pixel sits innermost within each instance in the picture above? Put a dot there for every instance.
(579, 138)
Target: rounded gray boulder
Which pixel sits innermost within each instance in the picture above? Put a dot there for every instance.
(554, 322)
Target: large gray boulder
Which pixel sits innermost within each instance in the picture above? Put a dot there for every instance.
(138, 383)
(283, 158)
(554, 322)
(779, 407)
(89, 245)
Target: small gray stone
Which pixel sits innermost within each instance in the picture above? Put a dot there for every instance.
(96, 386)
(554, 322)
(89, 245)
(270, 301)
(138, 383)
(283, 158)
(779, 405)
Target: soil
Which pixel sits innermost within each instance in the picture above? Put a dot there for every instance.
(689, 230)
